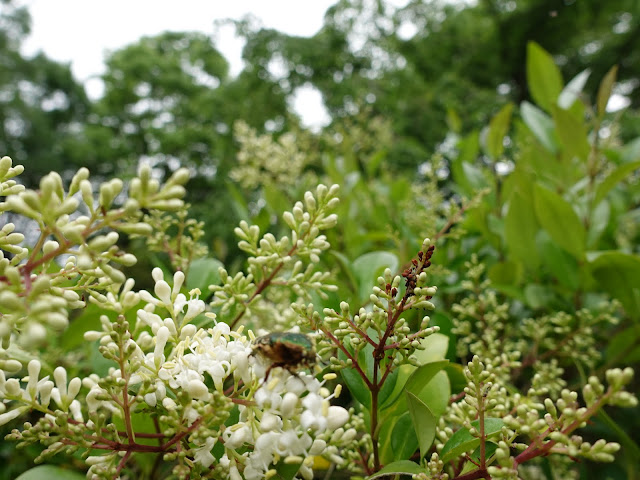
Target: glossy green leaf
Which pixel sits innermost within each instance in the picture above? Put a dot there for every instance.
(388, 387)
(202, 273)
(287, 471)
(423, 375)
(462, 441)
(571, 92)
(498, 128)
(404, 441)
(543, 76)
(369, 267)
(560, 221)
(419, 376)
(50, 472)
(355, 383)
(435, 348)
(520, 228)
(572, 133)
(619, 274)
(424, 422)
(436, 394)
(605, 89)
(457, 380)
(357, 386)
(402, 467)
(89, 319)
(540, 125)
(611, 180)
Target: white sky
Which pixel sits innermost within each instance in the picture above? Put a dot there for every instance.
(82, 31)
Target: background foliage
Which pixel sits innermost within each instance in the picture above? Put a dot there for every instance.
(490, 116)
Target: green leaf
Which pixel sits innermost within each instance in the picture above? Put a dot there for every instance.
(505, 273)
(619, 274)
(561, 264)
(540, 125)
(403, 438)
(355, 383)
(388, 387)
(424, 423)
(600, 217)
(435, 348)
(631, 151)
(369, 267)
(604, 91)
(559, 219)
(498, 128)
(50, 472)
(457, 380)
(462, 441)
(357, 386)
(538, 296)
(89, 319)
(454, 122)
(543, 76)
(202, 273)
(615, 177)
(402, 467)
(239, 203)
(287, 471)
(624, 346)
(520, 228)
(572, 91)
(347, 269)
(423, 375)
(436, 394)
(475, 176)
(572, 134)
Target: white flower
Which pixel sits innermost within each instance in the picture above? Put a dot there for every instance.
(203, 454)
(236, 436)
(314, 417)
(336, 417)
(270, 422)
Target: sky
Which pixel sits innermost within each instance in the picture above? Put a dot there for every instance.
(83, 31)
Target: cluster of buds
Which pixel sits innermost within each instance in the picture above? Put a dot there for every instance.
(263, 160)
(279, 262)
(37, 290)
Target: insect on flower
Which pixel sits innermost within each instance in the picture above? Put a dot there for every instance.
(288, 350)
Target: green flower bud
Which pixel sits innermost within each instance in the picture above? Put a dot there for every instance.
(136, 228)
(87, 193)
(74, 233)
(102, 242)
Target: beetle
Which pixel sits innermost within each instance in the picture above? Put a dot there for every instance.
(288, 350)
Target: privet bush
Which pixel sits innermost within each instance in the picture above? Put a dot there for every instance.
(185, 385)
(535, 269)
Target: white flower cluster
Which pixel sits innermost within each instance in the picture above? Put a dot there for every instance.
(291, 420)
(287, 418)
(38, 392)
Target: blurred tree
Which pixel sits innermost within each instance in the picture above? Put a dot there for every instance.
(42, 107)
(169, 100)
(417, 63)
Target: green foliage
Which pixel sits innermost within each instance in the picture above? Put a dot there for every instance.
(530, 202)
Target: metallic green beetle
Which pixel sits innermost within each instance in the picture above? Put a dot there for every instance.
(287, 350)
